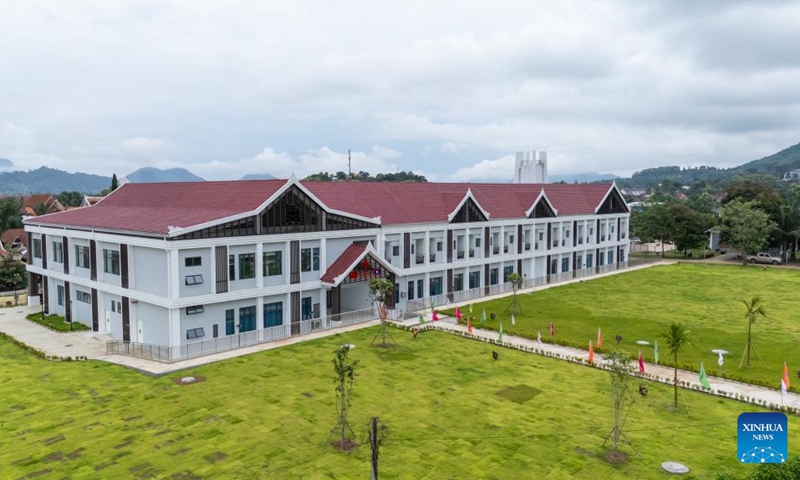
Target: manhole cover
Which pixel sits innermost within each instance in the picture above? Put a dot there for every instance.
(68, 345)
(188, 380)
(674, 468)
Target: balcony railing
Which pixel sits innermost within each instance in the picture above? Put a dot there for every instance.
(527, 246)
(555, 243)
(471, 253)
(420, 259)
(563, 241)
(536, 246)
(580, 241)
(505, 249)
(602, 238)
(496, 250)
(432, 257)
(460, 254)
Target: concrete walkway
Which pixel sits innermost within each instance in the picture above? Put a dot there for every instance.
(659, 373)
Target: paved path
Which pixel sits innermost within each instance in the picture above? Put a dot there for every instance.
(660, 373)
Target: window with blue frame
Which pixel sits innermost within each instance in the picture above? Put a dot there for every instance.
(474, 279)
(273, 314)
(411, 290)
(436, 286)
(420, 288)
(305, 307)
(610, 258)
(247, 319)
(229, 322)
(506, 272)
(493, 276)
(565, 264)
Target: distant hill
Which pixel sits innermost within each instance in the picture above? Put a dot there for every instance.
(582, 177)
(6, 163)
(155, 175)
(50, 180)
(258, 176)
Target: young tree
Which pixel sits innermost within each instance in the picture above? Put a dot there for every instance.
(747, 227)
(380, 290)
(677, 337)
(754, 309)
(114, 182)
(345, 369)
(516, 281)
(621, 369)
(788, 221)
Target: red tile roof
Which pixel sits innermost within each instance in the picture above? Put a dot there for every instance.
(9, 236)
(155, 207)
(343, 263)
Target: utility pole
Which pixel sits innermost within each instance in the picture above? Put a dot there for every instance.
(349, 165)
(374, 444)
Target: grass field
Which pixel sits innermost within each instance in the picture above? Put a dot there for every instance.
(57, 323)
(451, 410)
(638, 305)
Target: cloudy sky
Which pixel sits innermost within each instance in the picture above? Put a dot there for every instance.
(446, 89)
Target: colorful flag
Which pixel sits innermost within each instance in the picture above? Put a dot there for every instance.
(655, 352)
(470, 309)
(435, 317)
(421, 320)
(783, 387)
(500, 336)
(641, 362)
(469, 325)
(786, 375)
(599, 338)
(704, 378)
(538, 336)
(458, 313)
(512, 320)
(483, 317)
(432, 304)
(720, 360)
(552, 330)
(591, 352)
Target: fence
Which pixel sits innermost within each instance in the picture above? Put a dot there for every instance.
(489, 290)
(187, 351)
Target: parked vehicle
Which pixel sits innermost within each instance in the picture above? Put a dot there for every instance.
(763, 258)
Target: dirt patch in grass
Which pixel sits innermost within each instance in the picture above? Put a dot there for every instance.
(53, 457)
(38, 474)
(615, 457)
(185, 476)
(52, 440)
(583, 452)
(348, 446)
(216, 457)
(308, 394)
(519, 393)
(75, 454)
(132, 419)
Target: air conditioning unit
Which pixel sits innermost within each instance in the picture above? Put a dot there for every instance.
(316, 324)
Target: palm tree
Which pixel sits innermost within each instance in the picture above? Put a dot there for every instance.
(754, 309)
(677, 336)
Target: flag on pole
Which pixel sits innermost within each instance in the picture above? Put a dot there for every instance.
(469, 325)
(655, 352)
(720, 360)
(500, 336)
(704, 378)
(435, 317)
(538, 336)
(512, 320)
(552, 330)
(783, 387)
(641, 362)
(433, 305)
(786, 375)
(599, 338)
(458, 313)
(591, 352)
(470, 309)
(421, 320)
(483, 317)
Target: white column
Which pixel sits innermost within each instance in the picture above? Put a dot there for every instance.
(427, 246)
(259, 312)
(323, 256)
(323, 306)
(174, 327)
(259, 265)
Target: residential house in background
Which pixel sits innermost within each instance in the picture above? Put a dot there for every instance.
(89, 200)
(42, 203)
(176, 264)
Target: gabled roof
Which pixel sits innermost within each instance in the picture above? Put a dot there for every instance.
(468, 196)
(542, 196)
(611, 190)
(10, 235)
(349, 259)
(169, 209)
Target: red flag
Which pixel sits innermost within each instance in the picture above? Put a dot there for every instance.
(435, 317)
(458, 313)
(591, 352)
(786, 374)
(469, 325)
(552, 330)
(599, 338)
(641, 362)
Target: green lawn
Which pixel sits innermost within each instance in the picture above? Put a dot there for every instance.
(57, 323)
(451, 410)
(638, 305)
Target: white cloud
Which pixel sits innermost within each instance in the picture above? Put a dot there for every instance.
(145, 145)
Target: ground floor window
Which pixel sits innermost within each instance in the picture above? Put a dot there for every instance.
(579, 261)
(493, 279)
(305, 307)
(230, 329)
(474, 279)
(420, 288)
(247, 319)
(458, 282)
(273, 314)
(554, 266)
(600, 258)
(610, 258)
(565, 264)
(436, 286)
(622, 255)
(411, 290)
(589, 260)
(60, 295)
(506, 272)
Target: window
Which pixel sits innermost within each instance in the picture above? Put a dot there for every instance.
(111, 261)
(194, 310)
(622, 255)
(37, 248)
(247, 319)
(458, 282)
(232, 267)
(215, 330)
(553, 266)
(229, 326)
(396, 250)
(273, 314)
(610, 258)
(194, 279)
(193, 261)
(541, 235)
(436, 286)
(58, 252)
(193, 333)
(119, 307)
(511, 239)
(438, 246)
(493, 276)
(478, 242)
(566, 233)
(247, 265)
(506, 272)
(589, 260)
(84, 297)
(411, 290)
(309, 259)
(474, 279)
(305, 308)
(420, 288)
(272, 263)
(565, 264)
(113, 306)
(82, 256)
(60, 295)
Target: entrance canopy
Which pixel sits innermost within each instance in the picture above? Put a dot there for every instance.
(358, 263)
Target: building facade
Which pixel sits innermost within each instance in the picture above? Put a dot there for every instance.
(179, 263)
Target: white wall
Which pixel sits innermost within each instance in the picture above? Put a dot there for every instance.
(155, 323)
(74, 269)
(185, 290)
(81, 312)
(109, 278)
(246, 283)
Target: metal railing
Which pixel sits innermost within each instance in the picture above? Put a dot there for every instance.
(489, 290)
(187, 351)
